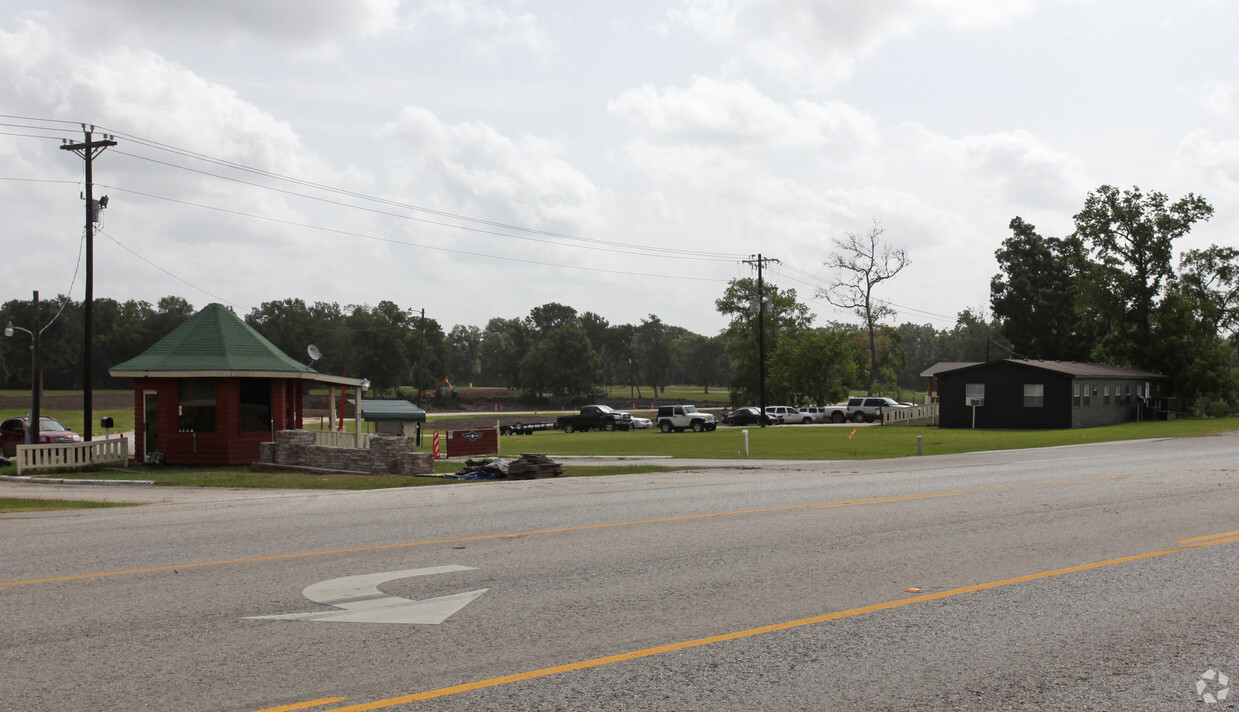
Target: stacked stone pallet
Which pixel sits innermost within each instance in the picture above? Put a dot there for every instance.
(529, 466)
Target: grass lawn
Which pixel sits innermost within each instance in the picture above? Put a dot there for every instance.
(788, 442)
(791, 442)
(10, 506)
(242, 476)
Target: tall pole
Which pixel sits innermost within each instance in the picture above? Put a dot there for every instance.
(421, 356)
(36, 376)
(761, 332)
(761, 338)
(88, 149)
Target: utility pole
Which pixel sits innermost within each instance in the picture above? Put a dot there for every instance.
(761, 332)
(36, 376)
(421, 356)
(88, 149)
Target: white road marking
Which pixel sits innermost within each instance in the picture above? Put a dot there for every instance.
(360, 600)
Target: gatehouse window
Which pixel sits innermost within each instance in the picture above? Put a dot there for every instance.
(196, 405)
(255, 405)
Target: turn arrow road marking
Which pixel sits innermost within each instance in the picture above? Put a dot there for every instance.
(359, 600)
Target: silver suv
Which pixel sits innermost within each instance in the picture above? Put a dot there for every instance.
(681, 417)
(869, 408)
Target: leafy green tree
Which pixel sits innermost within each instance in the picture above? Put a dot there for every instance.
(1038, 294)
(973, 338)
(563, 362)
(288, 325)
(651, 340)
(784, 318)
(387, 340)
(60, 342)
(817, 367)
(699, 360)
(550, 316)
(920, 343)
(504, 344)
(1210, 277)
(1188, 349)
(465, 363)
(620, 357)
(1135, 233)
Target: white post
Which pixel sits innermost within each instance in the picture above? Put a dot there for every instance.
(331, 403)
(746, 442)
(357, 416)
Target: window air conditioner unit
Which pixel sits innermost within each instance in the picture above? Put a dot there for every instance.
(976, 401)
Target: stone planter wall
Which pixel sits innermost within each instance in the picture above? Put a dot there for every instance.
(387, 455)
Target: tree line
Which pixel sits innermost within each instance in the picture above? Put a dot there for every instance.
(1108, 293)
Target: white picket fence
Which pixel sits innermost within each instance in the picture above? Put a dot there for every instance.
(52, 456)
(916, 415)
(339, 438)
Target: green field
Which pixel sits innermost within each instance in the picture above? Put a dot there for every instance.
(791, 442)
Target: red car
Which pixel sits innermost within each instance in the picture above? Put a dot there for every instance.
(13, 433)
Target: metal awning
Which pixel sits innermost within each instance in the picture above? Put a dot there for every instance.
(390, 411)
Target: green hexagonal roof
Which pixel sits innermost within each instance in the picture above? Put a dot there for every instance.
(214, 341)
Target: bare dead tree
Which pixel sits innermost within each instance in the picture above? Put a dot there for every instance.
(860, 263)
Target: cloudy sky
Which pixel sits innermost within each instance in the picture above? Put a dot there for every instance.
(477, 158)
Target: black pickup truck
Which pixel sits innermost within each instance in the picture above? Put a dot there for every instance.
(595, 417)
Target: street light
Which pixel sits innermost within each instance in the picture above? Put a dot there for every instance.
(36, 373)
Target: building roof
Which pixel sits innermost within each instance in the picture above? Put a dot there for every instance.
(395, 411)
(216, 343)
(1067, 368)
(946, 366)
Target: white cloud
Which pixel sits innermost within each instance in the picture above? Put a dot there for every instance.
(736, 113)
(469, 168)
(486, 27)
(815, 45)
(1008, 168)
(302, 26)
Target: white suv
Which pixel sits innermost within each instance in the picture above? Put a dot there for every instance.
(787, 414)
(815, 414)
(680, 417)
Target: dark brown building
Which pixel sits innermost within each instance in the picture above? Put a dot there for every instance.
(1012, 394)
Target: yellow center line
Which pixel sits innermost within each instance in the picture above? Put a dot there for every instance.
(1206, 538)
(587, 527)
(788, 625)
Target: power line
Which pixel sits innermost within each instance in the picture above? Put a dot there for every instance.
(621, 247)
(381, 201)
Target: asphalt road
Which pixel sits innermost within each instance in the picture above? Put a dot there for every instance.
(1097, 577)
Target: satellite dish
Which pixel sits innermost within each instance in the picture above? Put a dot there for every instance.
(315, 354)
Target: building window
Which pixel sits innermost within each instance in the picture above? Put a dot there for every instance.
(1086, 400)
(974, 394)
(1075, 395)
(1127, 396)
(255, 405)
(1105, 394)
(1034, 395)
(197, 405)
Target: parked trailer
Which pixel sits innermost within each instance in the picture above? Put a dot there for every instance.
(519, 428)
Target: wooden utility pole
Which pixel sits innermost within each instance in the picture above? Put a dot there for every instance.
(761, 333)
(421, 356)
(88, 149)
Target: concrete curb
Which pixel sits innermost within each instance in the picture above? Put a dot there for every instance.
(69, 481)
